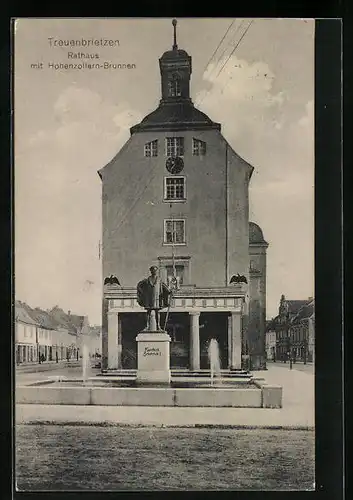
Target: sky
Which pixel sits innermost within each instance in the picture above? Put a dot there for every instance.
(69, 123)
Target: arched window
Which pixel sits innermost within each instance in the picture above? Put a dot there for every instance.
(174, 87)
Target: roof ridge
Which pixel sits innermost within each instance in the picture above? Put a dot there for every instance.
(52, 318)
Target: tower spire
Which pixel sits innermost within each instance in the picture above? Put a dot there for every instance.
(174, 23)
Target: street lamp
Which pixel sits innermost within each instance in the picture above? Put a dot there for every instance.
(289, 344)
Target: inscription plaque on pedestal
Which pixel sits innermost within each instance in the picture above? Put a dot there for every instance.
(153, 357)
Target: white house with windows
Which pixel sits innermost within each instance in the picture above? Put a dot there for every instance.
(311, 336)
(45, 343)
(25, 335)
(271, 340)
(47, 335)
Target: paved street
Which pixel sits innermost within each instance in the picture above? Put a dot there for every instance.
(308, 367)
(23, 377)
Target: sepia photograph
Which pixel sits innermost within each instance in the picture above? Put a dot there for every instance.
(164, 312)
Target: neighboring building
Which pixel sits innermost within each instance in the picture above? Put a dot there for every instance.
(271, 340)
(75, 326)
(177, 196)
(311, 336)
(302, 333)
(46, 334)
(51, 335)
(25, 335)
(285, 326)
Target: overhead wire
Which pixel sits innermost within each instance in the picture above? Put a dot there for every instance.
(237, 45)
(219, 44)
(152, 174)
(230, 55)
(138, 198)
(247, 29)
(225, 49)
(223, 52)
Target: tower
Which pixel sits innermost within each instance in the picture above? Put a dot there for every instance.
(177, 196)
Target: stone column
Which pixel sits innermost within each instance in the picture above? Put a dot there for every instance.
(236, 341)
(104, 346)
(229, 341)
(113, 352)
(120, 343)
(194, 341)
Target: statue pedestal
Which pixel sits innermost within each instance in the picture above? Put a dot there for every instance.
(153, 360)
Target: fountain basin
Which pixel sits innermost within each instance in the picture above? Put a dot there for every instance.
(182, 393)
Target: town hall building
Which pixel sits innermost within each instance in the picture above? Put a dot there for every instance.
(177, 196)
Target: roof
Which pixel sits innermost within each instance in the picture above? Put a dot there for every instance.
(176, 116)
(21, 314)
(256, 234)
(44, 319)
(72, 322)
(60, 317)
(175, 54)
(298, 309)
(77, 321)
(50, 319)
(295, 305)
(34, 316)
(270, 324)
(305, 312)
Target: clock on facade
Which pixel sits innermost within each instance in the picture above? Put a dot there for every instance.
(174, 164)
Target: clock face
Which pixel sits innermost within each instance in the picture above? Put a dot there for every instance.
(175, 164)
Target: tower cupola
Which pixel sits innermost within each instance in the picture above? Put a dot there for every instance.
(175, 67)
(176, 110)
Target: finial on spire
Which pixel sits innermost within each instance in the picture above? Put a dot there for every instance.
(174, 23)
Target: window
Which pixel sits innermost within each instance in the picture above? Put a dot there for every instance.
(179, 274)
(198, 147)
(174, 89)
(175, 146)
(182, 268)
(151, 148)
(174, 188)
(174, 231)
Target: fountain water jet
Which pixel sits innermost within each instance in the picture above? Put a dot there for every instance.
(226, 391)
(215, 360)
(85, 362)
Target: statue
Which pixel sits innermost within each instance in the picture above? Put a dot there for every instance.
(153, 295)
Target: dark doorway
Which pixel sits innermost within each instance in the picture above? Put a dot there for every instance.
(179, 330)
(214, 326)
(131, 326)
